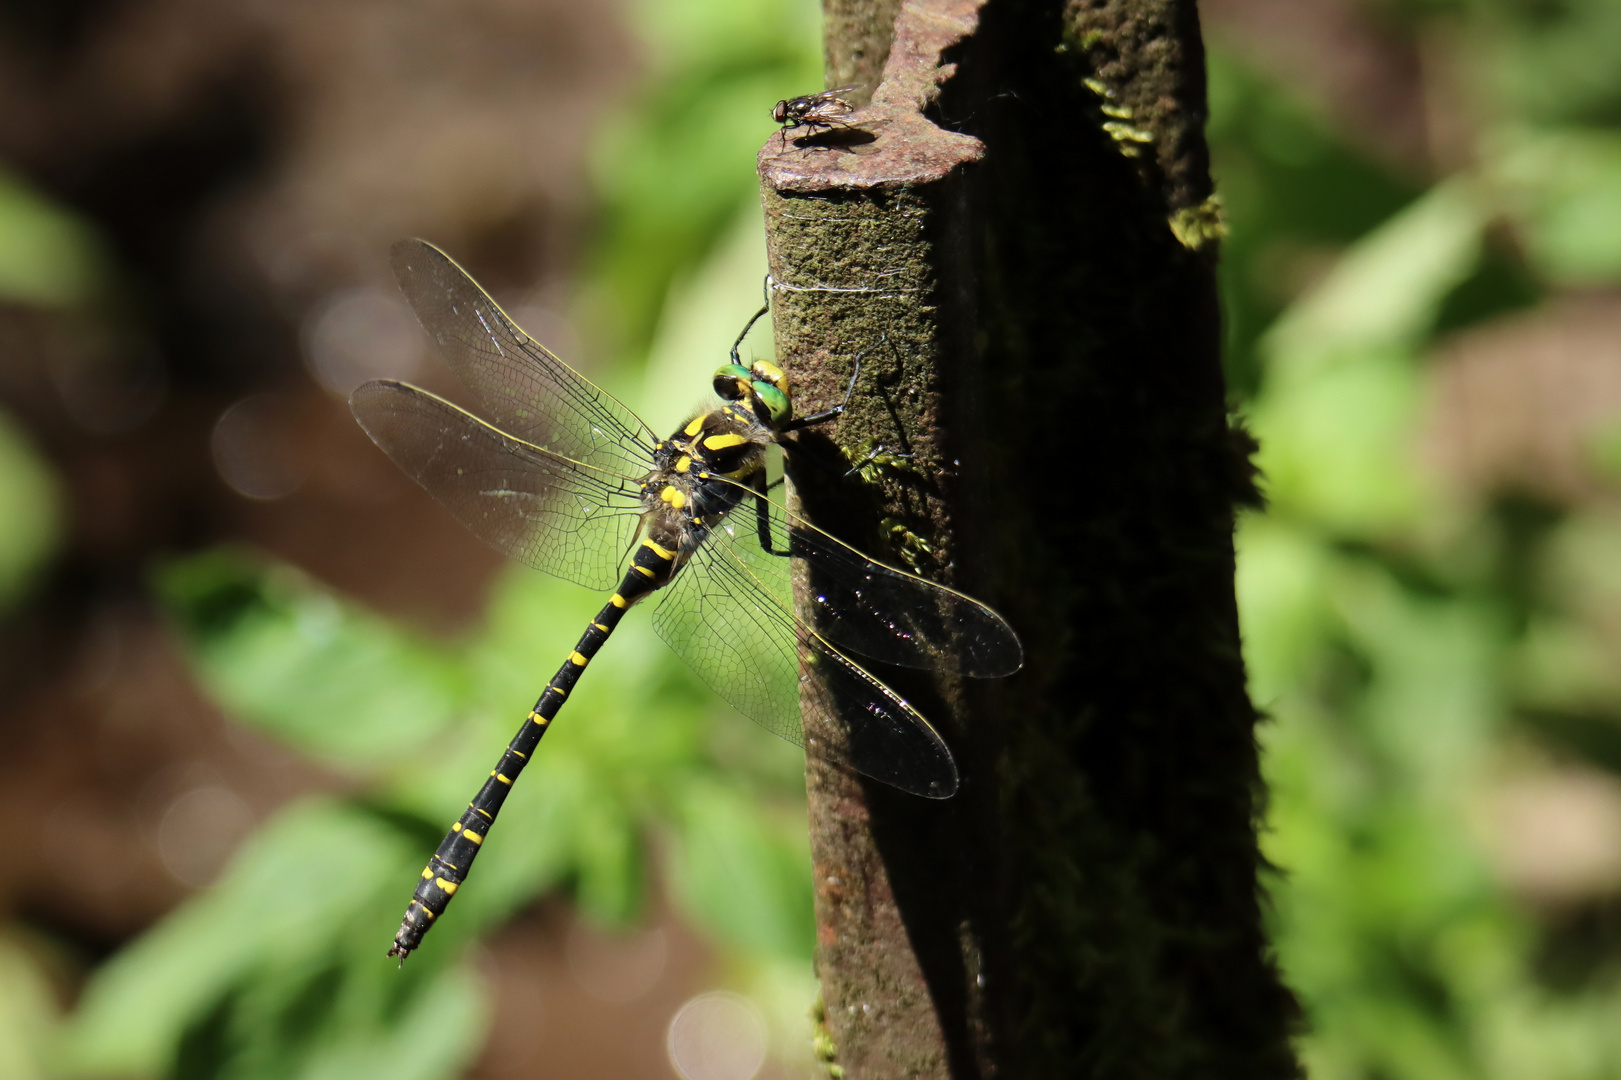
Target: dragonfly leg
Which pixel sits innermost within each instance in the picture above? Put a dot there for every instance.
(838, 410)
(764, 309)
(762, 513)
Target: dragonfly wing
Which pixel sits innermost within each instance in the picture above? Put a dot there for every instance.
(520, 386)
(546, 510)
(737, 637)
(739, 634)
(879, 611)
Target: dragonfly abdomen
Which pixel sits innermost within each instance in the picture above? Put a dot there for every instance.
(651, 567)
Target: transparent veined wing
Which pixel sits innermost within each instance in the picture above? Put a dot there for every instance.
(546, 510)
(882, 612)
(519, 385)
(736, 633)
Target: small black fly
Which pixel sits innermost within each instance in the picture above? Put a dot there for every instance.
(818, 112)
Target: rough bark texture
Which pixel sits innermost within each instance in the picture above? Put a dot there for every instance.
(1020, 238)
(857, 34)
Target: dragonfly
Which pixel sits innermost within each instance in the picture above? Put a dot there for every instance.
(555, 472)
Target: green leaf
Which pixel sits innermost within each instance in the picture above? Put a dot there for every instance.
(29, 512)
(1437, 661)
(609, 861)
(1546, 62)
(674, 167)
(317, 891)
(353, 1018)
(1337, 444)
(1282, 603)
(1338, 413)
(743, 875)
(49, 256)
(436, 1034)
(1567, 187)
(296, 661)
(27, 1013)
(1385, 291)
(708, 306)
(735, 34)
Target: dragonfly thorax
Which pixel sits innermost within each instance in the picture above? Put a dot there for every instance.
(729, 441)
(703, 469)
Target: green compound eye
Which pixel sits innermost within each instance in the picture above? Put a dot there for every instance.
(775, 402)
(732, 382)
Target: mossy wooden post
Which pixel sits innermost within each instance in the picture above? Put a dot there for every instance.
(1019, 234)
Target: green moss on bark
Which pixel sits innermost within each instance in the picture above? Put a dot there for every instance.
(1032, 228)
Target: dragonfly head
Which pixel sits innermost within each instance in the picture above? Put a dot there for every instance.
(764, 386)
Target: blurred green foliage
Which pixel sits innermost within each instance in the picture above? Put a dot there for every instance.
(27, 1011)
(277, 970)
(1411, 643)
(1411, 640)
(677, 167)
(29, 510)
(48, 256)
(265, 976)
(269, 647)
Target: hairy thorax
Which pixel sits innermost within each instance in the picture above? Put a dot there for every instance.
(704, 470)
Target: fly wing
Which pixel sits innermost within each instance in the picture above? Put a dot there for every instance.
(546, 510)
(519, 385)
(830, 105)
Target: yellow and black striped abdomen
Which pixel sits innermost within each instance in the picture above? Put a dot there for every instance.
(652, 566)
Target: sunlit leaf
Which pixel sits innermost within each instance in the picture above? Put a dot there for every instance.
(675, 168)
(286, 656)
(27, 1013)
(1283, 605)
(1338, 446)
(318, 881)
(741, 874)
(1386, 289)
(1567, 188)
